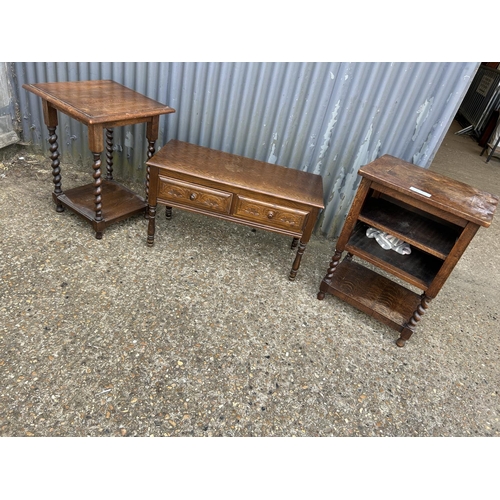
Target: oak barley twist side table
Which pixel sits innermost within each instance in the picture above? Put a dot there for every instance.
(101, 105)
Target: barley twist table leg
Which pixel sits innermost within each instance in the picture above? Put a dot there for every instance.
(56, 169)
(109, 154)
(329, 273)
(412, 323)
(97, 191)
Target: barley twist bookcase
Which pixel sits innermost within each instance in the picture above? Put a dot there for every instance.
(436, 215)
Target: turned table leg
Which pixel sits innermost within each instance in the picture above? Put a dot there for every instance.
(296, 262)
(151, 152)
(417, 316)
(56, 169)
(97, 192)
(304, 240)
(152, 136)
(51, 121)
(329, 273)
(109, 154)
(168, 213)
(151, 225)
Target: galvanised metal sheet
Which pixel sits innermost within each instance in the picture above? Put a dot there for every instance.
(326, 118)
(8, 135)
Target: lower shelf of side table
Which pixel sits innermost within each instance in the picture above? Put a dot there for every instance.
(373, 294)
(118, 203)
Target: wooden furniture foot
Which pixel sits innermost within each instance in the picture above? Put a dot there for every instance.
(295, 242)
(168, 213)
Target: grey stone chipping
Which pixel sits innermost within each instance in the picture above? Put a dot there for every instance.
(204, 335)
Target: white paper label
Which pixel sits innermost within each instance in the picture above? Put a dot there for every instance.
(419, 191)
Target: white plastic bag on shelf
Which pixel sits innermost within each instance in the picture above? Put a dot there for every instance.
(388, 242)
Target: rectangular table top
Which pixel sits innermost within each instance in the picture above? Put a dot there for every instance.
(239, 171)
(437, 190)
(98, 101)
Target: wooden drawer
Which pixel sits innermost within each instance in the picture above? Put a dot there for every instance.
(270, 214)
(194, 195)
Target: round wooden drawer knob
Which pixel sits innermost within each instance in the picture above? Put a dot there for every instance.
(193, 196)
(270, 214)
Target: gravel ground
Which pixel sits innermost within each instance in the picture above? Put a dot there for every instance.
(203, 334)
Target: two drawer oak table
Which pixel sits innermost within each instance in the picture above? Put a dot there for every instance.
(237, 189)
(100, 105)
(437, 216)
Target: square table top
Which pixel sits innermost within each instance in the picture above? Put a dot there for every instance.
(98, 102)
(435, 189)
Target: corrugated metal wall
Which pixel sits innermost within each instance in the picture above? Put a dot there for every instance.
(326, 118)
(7, 110)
